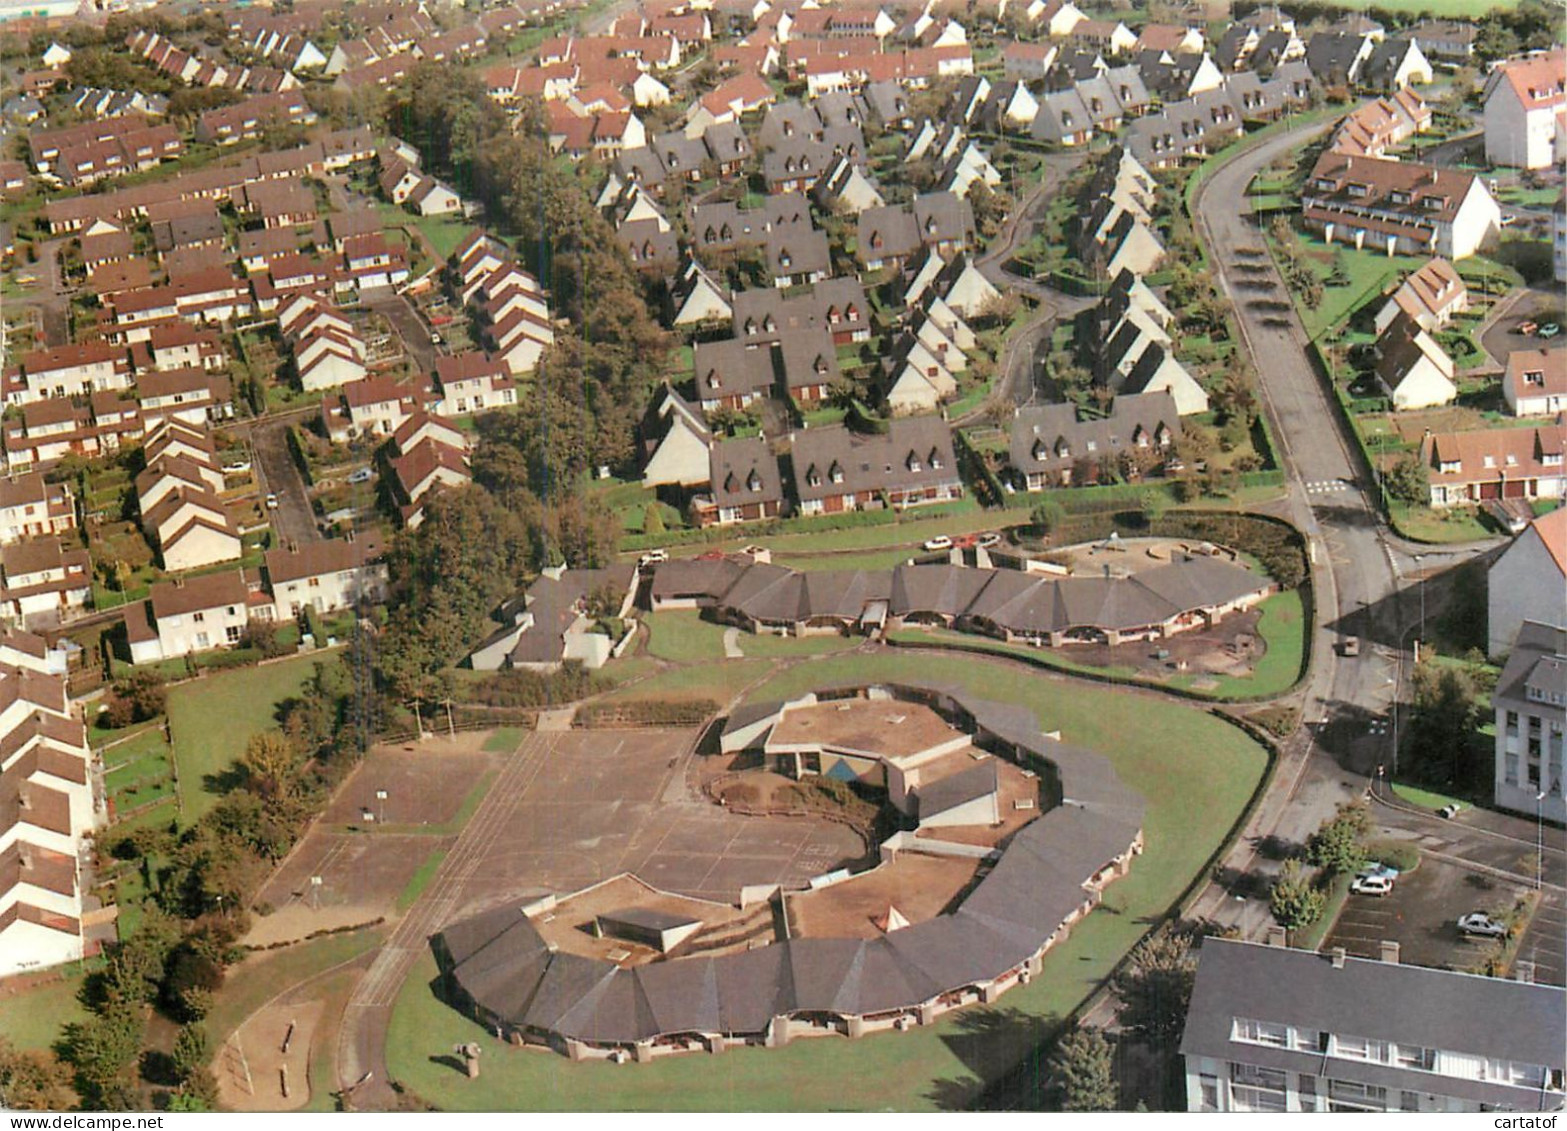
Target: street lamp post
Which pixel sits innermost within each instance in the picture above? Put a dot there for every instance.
(380, 805)
(1539, 839)
(1421, 585)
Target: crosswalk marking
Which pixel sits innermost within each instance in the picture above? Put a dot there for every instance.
(1327, 486)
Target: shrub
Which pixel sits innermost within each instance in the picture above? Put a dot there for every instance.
(646, 712)
(1395, 854)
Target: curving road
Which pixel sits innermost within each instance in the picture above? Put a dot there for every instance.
(1355, 575)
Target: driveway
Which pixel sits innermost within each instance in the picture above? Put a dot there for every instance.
(406, 324)
(294, 519)
(1536, 304)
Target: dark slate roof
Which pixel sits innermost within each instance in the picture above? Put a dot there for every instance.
(501, 962)
(726, 368)
(1411, 1005)
(744, 471)
(888, 231)
(1050, 437)
(969, 784)
(726, 141)
(914, 452)
(1536, 660)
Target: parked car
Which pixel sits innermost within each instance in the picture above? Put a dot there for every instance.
(1372, 885)
(271, 502)
(1351, 645)
(965, 541)
(1549, 330)
(236, 468)
(1527, 326)
(988, 539)
(1509, 219)
(363, 475)
(1377, 870)
(1448, 812)
(940, 542)
(653, 556)
(1479, 923)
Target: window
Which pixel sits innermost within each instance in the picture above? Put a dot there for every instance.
(232, 633)
(1409, 1101)
(1308, 1094)
(199, 618)
(1308, 1040)
(1209, 1086)
(314, 583)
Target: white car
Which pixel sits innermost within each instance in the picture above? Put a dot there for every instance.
(1479, 923)
(988, 539)
(1372, 885)
(271, 502)
(653, 556)
(940, 542)
(1377, 869)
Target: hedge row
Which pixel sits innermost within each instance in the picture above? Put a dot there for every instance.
(813, 525)
(646, 712)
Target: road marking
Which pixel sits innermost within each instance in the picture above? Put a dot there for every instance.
(1327, 486)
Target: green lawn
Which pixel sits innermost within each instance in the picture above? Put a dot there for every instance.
(504, 740)
(261, 977)
(684, 637)
(1280, 626)
(33, 1018)
(1425, 798)
(1422, 524)
(211, 719)
(443, 232)
(420, 879)
(1197, 773)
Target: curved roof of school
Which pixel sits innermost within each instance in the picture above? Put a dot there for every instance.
(500, 960)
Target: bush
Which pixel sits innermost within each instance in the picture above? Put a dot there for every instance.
(646, 712)
(538, 689)
(1395, 854)
(135, 699)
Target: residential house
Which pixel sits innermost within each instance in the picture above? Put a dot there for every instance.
(1469, 468)
(327, 576)
(43, 583)
(33, 508)
(1525, 104)
(550, 623)
(1395, 63)
(745, 484)
(1527, 581)
(731, 375)
(911, 464)
(423, 469)
(1402, 207)
(48, 810)
(1050, 447)
(194, 614)
(70, 371)
(1271, 1029)
(698, 299)
(1412, 369)
(375, 406)
(1431, 297)
(1535, 381)
(472, 382)
(674, 440)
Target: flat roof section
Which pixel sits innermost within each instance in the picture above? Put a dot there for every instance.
(920, 887)
(886, 729)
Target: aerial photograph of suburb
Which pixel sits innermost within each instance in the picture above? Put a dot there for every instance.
(782, 556)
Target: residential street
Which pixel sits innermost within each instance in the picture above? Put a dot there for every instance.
(1358, 565)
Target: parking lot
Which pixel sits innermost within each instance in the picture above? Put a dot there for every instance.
(1421, 913)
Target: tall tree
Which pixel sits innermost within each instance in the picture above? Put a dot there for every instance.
(1082, 1071)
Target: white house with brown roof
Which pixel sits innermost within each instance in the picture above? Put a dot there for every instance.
(31, 508)
(47, 808)
(1412, 369)
(337, 573)
(1528, 581)
(44, 583)
(1525, 104)
(194, 614)
(1468, 468)
(1430, 297)
(1400, 207)
(1535, 382)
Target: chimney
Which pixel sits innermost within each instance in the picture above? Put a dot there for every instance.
(1277, 936)
(1337, 955)
(1524, 971)
(1388, 952)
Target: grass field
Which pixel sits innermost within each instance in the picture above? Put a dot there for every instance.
(420, 880)
(262, 977)
(504, 740)
(1425, 798)
(1197, 773)
(211, 720)
(684, 637)
(33, 1018)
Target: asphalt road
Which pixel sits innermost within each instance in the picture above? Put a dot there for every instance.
(293, 520)
(1357, 564)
